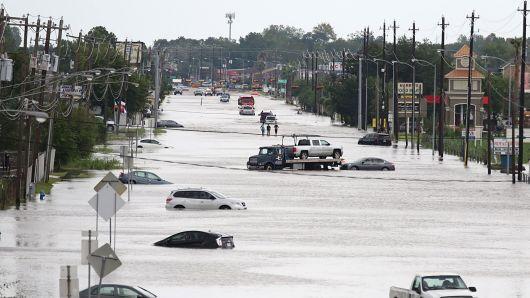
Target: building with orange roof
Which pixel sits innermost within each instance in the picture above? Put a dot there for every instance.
(456, 93)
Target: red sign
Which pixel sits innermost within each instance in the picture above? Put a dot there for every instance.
(430, 99)
(485, 100)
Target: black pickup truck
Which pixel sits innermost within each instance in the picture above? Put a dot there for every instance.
(279, 157)
(271, 158)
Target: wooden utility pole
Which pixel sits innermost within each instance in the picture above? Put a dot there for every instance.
(395, 121)
(469, 85)
(521, 97)
(415, 126)
(382, 119)
(441, 110)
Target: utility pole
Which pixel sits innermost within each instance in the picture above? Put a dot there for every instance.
(343, 62)
(441, 115)
(360, 93)
(48, 166)
(316, 83)
(521, 97)
(157, 84)
(395, 124)
(469, 85)
(489, 121)
(414, 124)
(383, 115)
(42, 89)
(365, 74)
(512, 111)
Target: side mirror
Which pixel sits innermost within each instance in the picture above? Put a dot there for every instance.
(417, 290)
(472, 289)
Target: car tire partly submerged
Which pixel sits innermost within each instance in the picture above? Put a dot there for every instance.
(354, 168)
(179, 207)
(225, 207)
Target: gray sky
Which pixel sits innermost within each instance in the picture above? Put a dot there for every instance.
(150, 20)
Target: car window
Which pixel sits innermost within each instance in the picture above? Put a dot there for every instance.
(303, 143)
(324, 143)
(144, 141)
(416, 284)
(178, 237)
(196, 195)
(203, 195)
(105, 290)
(182, 194)
(126, 292)
(196, 236)
(155, 142)
(263, 151)
(315, 143)
(139, 174)
(152, 176)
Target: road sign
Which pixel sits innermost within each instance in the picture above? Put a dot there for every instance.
(113, 181)
(282, 81)
(504, 146)
(104, 260)
(406, 88)
(106, 202)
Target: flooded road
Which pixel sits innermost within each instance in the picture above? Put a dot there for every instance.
(305, 234)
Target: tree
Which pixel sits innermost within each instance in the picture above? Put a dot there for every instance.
(323, 33)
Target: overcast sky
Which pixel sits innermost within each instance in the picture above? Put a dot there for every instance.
(149, 20)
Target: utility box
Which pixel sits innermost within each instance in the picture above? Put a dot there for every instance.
(6, 70)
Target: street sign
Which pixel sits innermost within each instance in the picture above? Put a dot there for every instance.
(113, 181)
(106, 202)
(504, 146)
(282, 81)
(406, 88)
(69, 91)
(104, 260)
(472, 134)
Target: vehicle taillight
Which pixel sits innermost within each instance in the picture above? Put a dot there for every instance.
(294, 149)
(121, 175)
(168, 199)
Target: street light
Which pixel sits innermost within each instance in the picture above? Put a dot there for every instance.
(433, 103)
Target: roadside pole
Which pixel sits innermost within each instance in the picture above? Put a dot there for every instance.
(157, 85)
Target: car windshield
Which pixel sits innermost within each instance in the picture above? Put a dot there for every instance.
(145, 292)
(218, 195)
(442, 282)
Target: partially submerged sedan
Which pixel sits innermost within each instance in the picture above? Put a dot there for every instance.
(369, 164)
(141, 177)
(197, 239)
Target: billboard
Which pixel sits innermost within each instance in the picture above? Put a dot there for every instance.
(406, 88)
(131, 53)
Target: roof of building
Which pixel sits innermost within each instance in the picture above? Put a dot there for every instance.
(462, 74)
(463, 52)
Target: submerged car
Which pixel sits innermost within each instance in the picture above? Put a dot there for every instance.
(199, 198)
(379, 139)
(369, 164)
(141, 177)
(116, 290)
(150, 143)
(169, 123)
(197, 239)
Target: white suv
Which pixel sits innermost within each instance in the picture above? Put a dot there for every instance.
(199, 198)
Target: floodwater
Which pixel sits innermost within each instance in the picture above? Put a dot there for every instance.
(305, 234)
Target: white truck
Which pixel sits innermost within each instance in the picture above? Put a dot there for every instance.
(316, 147)
(435, 286)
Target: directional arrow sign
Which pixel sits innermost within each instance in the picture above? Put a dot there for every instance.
(106, 202)
(104, 260)
(113, 181)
